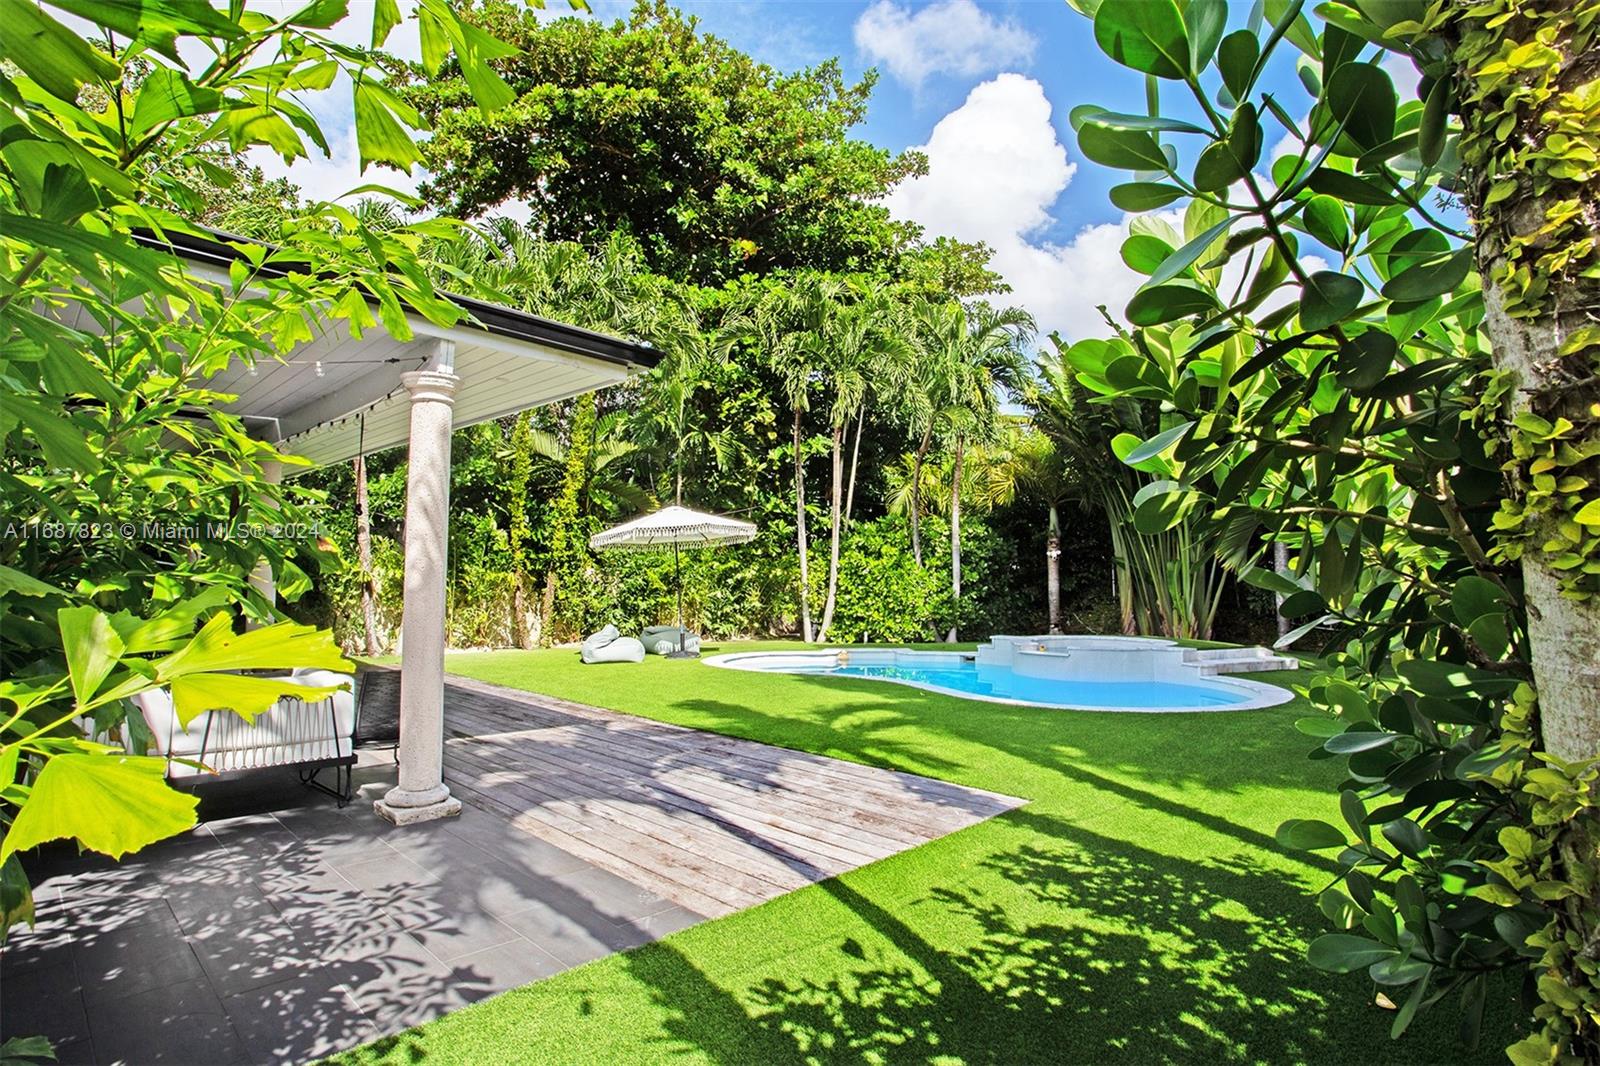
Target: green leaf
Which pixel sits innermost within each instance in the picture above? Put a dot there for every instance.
(165, 95)
(321, 14)
(1123, 149)
(1343, 953)
(57, 59)
(379, 136)
(92, 649)
(1156, 304)
(1145, 252)
(1365, 360)
(1398, 970)
(1473, 597)
(1349, 188)
(1328, 298)
(1361, 96)
(16, 894)
(282, 646)
(1158, 445)
(1236, 60)
(60, 441)
(1148, 36)
(1325, 219)
(110, 803)
(1352, 741)
(1114, 120)
(1435, 121)
(195, 694)
(1307, 834)
(1217, 168)
(385, 17)
(1203, 22)
(1185, 257)
(1429, 278)
(1138, 196)
(1407, 836)
(15, 581)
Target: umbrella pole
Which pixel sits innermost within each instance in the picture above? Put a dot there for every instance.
(677, 579)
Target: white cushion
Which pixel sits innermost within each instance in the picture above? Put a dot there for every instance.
(292, 731)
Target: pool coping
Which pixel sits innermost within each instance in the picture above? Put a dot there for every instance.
(1262, 694)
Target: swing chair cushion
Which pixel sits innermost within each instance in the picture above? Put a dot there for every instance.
(608, 646)
(664, 640)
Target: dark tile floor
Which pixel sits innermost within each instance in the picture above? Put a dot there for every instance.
(285, 928)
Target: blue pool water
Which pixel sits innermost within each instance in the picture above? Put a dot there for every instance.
(999, 682)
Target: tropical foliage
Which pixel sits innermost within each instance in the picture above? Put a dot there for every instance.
(1382, 419)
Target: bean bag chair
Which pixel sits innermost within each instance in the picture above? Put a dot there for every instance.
(663, 640)
(607, 646)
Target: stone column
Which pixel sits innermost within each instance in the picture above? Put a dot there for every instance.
(422, 794)
(261, 577)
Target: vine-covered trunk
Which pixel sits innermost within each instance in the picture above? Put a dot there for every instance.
(955, 548)
(1052, 571)
(369, 584)
(1529, 148)
(833, 533)
(800, 530)
(916, 495)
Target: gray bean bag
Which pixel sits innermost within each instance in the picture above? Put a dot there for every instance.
(607, 646)
(663, 640)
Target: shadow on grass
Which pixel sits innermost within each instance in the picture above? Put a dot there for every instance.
(1079, 948)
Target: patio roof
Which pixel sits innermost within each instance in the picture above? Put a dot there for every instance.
(336, 397)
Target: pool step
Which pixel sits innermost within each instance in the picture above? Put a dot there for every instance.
(1213, 661)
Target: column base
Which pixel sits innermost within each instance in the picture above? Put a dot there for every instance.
(402, 807)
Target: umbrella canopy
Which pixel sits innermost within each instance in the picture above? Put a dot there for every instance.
(674, 527)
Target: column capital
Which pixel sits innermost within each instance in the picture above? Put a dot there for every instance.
(437, 386)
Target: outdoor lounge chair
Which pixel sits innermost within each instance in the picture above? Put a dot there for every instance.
(608, 646)
(664, 640)
(309, 735)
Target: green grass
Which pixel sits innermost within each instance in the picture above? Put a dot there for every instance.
(1135, 910)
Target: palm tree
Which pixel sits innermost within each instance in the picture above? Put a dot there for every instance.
(667, 417)
(607, 489)
(779, 318)
(1034, 464)
(859, 346)
(974, 353)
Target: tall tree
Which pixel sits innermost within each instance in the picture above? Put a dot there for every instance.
(717, 164)
(976, 353)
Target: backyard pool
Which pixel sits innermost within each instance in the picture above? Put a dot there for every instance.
(1092, 673)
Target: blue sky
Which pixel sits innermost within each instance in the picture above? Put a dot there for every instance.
(985, 89)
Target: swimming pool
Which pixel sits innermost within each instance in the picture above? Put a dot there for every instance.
(1109, 674)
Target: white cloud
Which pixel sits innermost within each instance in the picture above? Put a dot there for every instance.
(995, 170)
(946, 37)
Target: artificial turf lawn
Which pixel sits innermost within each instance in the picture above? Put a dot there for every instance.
(1136, 910)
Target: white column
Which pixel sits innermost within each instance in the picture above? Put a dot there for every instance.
(261, 577)
(422, 794)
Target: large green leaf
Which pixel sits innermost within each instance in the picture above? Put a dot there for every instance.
(1185, 257)
(60, 61)
(1236, 59)
(1138, 196)
(165, 95)
(1325, 219)
(1123, 149)
(1158, 445)
(195, 694)
(1203, 22)
(15, 581)
(92, 649)
(1308, 834)
(1145, 252)
(109, 803)
(1430, 278)
(1343, 953)
(1156, 304)
(1328, 298)
(380, 138)
(283, 646)
(1361, 96)
(1147, 35)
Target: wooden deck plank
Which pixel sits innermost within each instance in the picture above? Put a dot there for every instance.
(711, 822)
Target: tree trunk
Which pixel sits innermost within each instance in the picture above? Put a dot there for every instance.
(916, 495)
(369, 585)
(800, 530)
(833, 539)
(855, 460)
(955, 547)
(1052, 573)
(1280, 563)
(1564, 634)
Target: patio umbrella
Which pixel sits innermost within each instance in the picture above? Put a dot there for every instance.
(679, 527)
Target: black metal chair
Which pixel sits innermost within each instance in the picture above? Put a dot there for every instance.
(378, 708)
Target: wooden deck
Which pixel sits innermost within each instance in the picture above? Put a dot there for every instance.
(713, 823)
